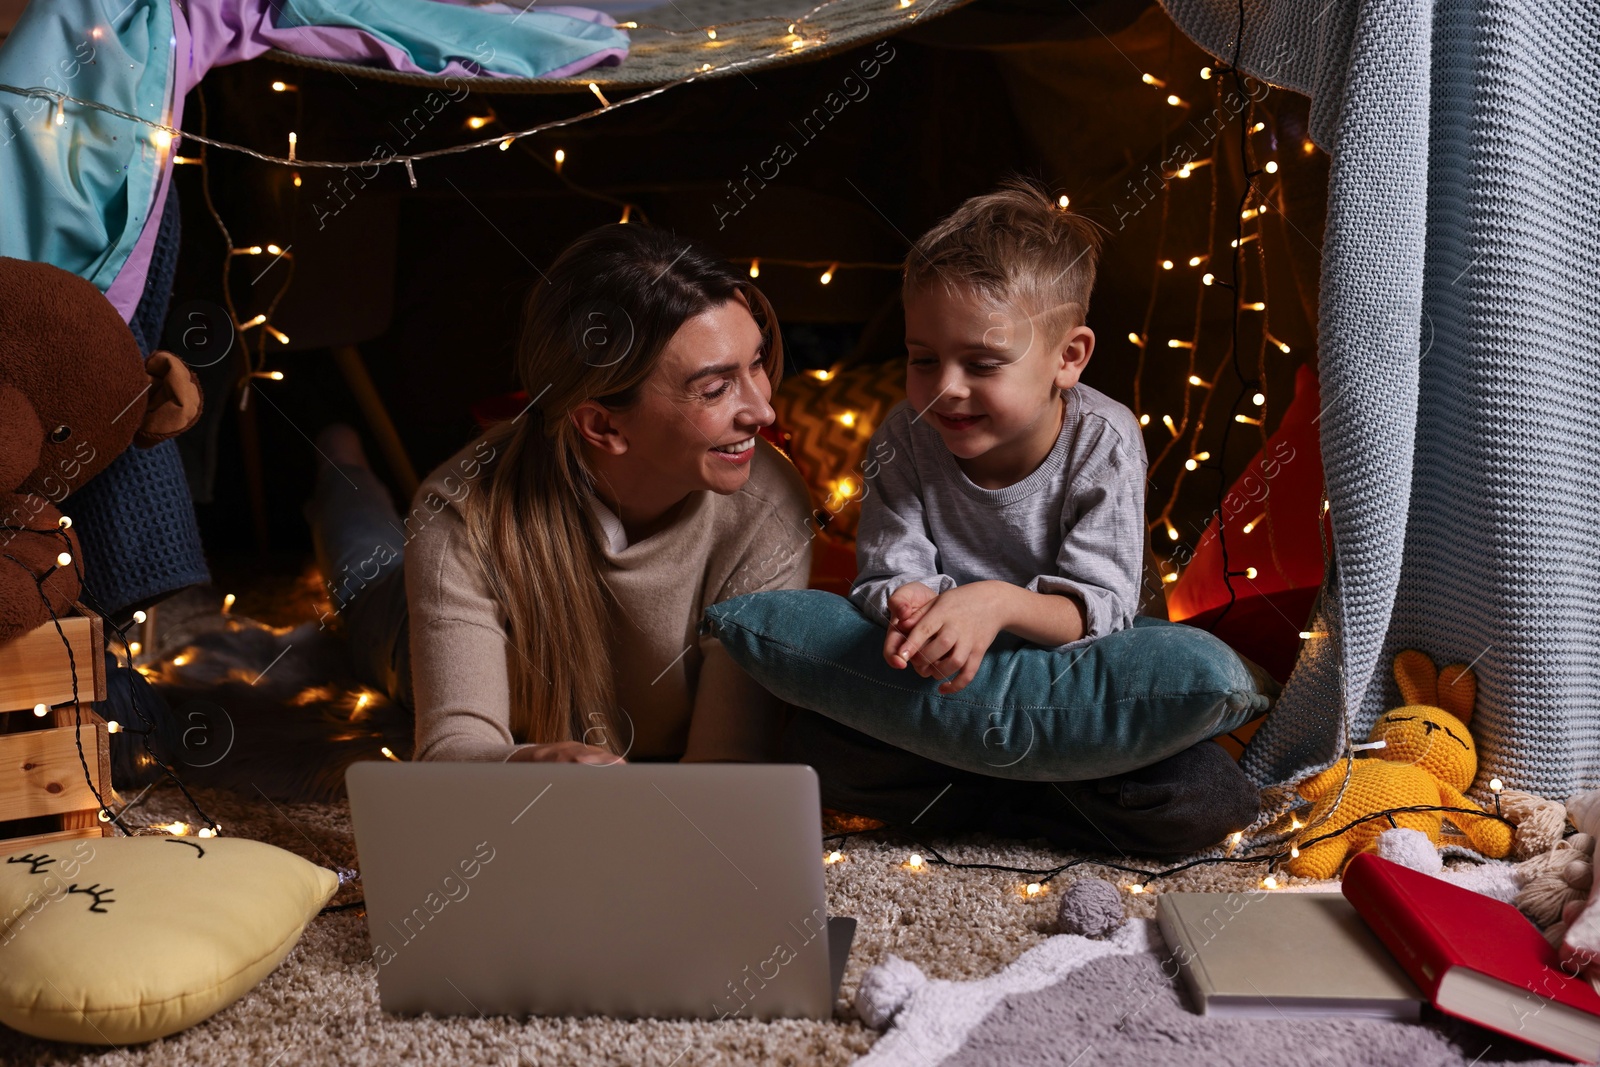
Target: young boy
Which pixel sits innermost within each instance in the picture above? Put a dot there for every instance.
(1007, 495)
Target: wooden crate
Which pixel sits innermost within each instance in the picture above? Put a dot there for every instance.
(35, 668)
(41, 774)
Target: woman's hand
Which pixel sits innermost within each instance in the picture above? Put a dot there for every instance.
(954, 630)
(564, 752)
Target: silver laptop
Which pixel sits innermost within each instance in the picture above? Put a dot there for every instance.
(635, 890)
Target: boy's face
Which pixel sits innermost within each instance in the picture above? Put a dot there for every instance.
(984, 374)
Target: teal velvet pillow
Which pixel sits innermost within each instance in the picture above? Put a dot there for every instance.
(1125, 701)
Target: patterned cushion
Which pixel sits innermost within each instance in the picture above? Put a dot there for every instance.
(826, 424)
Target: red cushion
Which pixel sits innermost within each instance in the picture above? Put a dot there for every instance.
(1279, 495)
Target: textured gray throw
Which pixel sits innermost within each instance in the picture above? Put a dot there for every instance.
(1459, 355)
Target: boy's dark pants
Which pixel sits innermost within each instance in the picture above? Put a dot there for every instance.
(1185, 803)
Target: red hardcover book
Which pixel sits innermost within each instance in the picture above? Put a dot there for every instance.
(1476, 958)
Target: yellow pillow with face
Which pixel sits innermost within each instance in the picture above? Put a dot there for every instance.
(111, 941)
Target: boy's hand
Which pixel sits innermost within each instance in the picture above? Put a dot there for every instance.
(906, 606)
(953, 632)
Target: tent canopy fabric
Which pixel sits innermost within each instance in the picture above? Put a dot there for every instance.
(1458, 355)
(668, 44)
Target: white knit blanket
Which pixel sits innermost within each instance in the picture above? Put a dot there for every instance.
(1459, 364)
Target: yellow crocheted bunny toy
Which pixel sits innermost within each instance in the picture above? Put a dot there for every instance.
(1428, 758)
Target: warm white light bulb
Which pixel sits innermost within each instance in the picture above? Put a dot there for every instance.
(41, 710)
(139, 617)
(64, 559)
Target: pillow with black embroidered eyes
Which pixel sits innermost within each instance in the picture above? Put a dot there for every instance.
(1123, 701)
(116, 940)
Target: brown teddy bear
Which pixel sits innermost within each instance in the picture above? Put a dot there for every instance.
(74, 393)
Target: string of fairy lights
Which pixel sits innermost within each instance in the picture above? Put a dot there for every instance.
(1040, 878)
(798, 37)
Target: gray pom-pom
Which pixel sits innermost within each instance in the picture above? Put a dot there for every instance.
(1091, 907)
(1410, 848)
(885, 988)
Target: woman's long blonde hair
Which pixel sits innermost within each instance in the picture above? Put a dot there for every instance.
(593, 329)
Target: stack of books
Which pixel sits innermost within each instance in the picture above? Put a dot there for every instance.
(1393, 940)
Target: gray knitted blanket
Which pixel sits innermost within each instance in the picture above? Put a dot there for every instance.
(1459, 362)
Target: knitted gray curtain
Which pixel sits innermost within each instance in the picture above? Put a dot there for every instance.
(1459, 359)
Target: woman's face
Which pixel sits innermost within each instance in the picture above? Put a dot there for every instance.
(695, 422)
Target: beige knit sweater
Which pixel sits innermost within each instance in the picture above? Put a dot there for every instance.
(682, 694)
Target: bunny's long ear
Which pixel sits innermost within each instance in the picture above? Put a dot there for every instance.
(174, 403)
(1458, 691)
(1418, 681)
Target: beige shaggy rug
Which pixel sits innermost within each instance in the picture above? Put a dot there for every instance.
(321, 1007)
(283, 723)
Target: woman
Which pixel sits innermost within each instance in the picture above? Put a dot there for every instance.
(556, 568)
